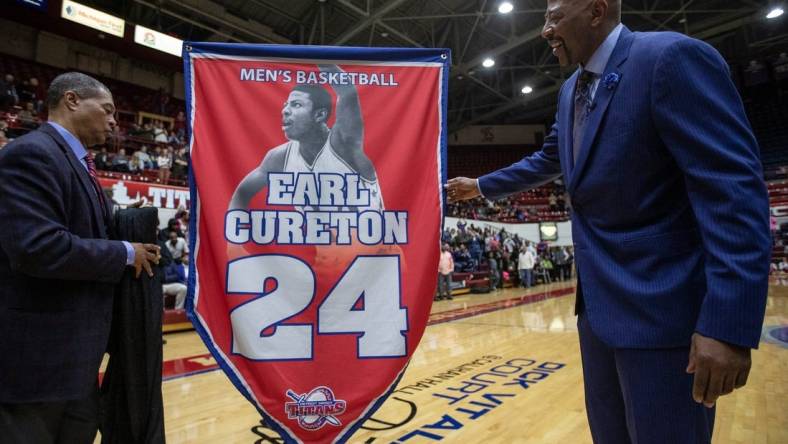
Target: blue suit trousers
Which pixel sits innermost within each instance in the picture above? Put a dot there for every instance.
(640, 396)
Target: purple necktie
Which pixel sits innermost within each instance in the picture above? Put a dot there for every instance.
(94, 180)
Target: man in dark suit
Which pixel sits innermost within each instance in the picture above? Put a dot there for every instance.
(670, 221)
(57, 269)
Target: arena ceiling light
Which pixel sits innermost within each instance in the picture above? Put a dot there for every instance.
(775, 12)
(527, 89)
(488, 62)
(505, 7)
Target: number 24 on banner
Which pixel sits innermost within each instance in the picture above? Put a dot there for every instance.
(372, 281)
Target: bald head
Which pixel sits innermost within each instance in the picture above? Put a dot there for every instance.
(575, 28)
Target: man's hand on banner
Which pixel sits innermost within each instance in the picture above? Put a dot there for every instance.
(462, 188)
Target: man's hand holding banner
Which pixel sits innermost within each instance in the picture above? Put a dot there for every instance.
(317, 202)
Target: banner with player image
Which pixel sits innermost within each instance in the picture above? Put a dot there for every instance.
(317, 204)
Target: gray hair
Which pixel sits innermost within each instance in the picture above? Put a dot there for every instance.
(83, 85)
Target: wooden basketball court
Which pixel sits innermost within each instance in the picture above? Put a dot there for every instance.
(502, 367)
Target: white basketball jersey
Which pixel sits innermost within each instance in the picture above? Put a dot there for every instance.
(327, 161)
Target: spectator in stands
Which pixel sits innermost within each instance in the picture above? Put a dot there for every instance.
(177, 246)
(135, 166)
(547, 265)
(182, 217)
(475, 248)
(31, 91)
(39, 94)
(525, 264)
(509, 245)
(445, 270)
(553, 202)
(8, 93)
(172, 226)
(179, 126)
(461, 224)
(173, 139)
(28, 116)
(164, 162)
(143, 157)
(530, 246)
(558, 258)
(159, 133)
(495, 270)
(174, 282)
(120, 162)
(180, 164)
(146, 132)
(102, 159)
(135, 130)
(462, 259)
(164, 101)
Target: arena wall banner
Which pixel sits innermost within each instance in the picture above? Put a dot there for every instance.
(316, 189)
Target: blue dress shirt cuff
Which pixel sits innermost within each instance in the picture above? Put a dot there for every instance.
(479, 188)
(129, 253)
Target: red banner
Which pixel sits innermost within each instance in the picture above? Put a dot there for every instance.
(125, 192)
(316, 179)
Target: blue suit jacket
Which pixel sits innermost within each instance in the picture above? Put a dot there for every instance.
(670, 219)
(56, 272)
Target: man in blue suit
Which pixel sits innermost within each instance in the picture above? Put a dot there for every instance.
(57, 269)
(670, 221)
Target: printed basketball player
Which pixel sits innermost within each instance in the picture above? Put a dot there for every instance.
(313, 147)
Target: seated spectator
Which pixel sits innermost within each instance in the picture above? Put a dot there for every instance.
(120, 162)
(28, 116)
(135, 166)
(143, 158)
(39, 94)
(175, 274)
(135, 130)
(159, 133)
(173, 139)
(172, 225)
(146, 132)
(102, 159)
(182, 218)
(177, 245)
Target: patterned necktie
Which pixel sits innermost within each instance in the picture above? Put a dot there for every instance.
(582, 108)
(94, 180)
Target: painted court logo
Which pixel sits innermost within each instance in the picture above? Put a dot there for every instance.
(315, 408)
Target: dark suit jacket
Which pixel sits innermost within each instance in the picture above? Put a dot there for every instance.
(670, 219)
(57, 271)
